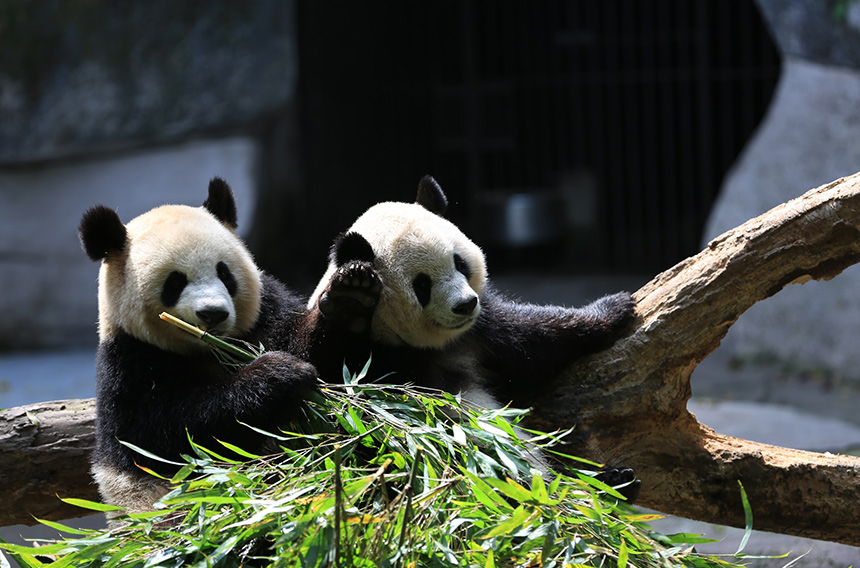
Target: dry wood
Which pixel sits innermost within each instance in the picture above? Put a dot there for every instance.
(629, 402)
(44, 452)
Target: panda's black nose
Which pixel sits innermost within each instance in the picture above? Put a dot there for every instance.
(212, 316)
(465, 308)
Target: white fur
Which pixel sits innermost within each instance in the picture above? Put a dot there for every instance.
(407, 239)
(134, 492)
(189, 240)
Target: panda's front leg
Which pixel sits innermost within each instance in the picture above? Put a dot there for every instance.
(607, 316)
(351, 297)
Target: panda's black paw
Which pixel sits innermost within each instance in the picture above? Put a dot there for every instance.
(623, 479)
(352, 296)
(278, 376)
(616, 310)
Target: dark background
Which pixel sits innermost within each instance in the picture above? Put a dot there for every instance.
(626, 114)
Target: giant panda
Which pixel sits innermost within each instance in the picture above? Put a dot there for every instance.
(156, 385)
(408, 286)
(406, 289)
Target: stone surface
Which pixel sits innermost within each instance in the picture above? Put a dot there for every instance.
(80, 77)
(49, 285)
(814, 30)
(810, 136)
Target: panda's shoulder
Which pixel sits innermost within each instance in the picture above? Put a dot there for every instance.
(123, 358)
(280, 307)
(276, 296)
(126, 347)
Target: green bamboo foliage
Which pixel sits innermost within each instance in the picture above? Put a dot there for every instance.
(375, 475)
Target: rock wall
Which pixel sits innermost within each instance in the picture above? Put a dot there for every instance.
(811, 135)
(131, 105)
(84, 77)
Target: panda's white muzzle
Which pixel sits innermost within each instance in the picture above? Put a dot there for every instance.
(207, 304)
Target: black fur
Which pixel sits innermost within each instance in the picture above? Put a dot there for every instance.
(431, 196)
(149, 397)
(221, 202)
(101, 233)
(351, 246)
(226, 277)
(172, 288)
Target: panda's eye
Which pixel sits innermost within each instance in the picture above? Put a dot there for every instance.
(461, 266)
(173, 287)
(422, 285)
(227, 278)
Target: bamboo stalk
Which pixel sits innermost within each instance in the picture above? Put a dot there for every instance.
(215, 342)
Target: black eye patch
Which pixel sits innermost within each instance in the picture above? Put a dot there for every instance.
(172, 288)
(461, 266)
(422, 285)
(227, 278)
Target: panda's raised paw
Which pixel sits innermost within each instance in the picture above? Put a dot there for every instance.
(352, 296)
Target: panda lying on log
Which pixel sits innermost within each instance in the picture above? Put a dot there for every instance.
(407, 286)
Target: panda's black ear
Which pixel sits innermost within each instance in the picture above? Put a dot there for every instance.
(221, 202)
(101, 232)
(351, 246)
(431, 196)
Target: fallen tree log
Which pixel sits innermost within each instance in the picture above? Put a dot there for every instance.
(628, 403)
(44, 453)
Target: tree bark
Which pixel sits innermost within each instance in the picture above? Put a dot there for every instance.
(44, 455)
(628, 403)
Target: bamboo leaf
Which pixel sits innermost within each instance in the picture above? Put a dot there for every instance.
(91, 505)
(517, 518)
(622, 555)
(150, 455)
(510, 488)
(748, 518)
(63, 528)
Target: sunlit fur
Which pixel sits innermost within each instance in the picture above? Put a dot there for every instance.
(186, 239)
(135, 492)
(408, 239)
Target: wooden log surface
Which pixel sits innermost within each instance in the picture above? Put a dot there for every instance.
(44, 453)
(628, 403)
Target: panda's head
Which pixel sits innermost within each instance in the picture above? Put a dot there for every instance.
(433, 275)
(187, 261)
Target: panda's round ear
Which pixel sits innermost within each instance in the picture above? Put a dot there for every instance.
(221, 202)
(431, 196)
(101, 232)
(350, 246)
